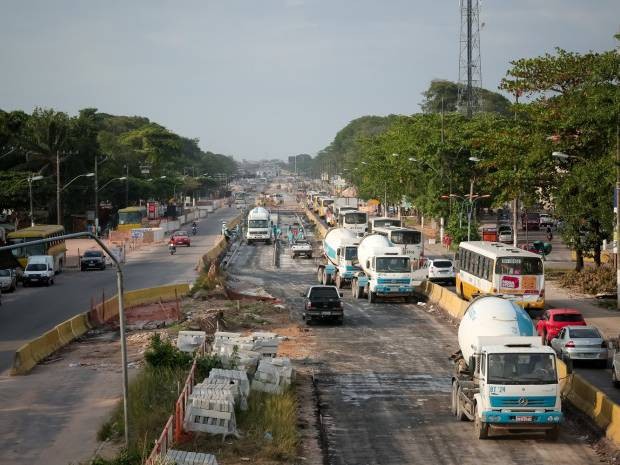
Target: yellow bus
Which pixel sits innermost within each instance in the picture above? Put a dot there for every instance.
(56, 249)
(500, 269)
(130, 218)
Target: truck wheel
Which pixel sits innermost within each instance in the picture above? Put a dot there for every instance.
(319, 275)
(481, 429)
(553, 434)
(372, 297)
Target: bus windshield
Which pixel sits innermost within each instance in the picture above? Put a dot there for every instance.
(355, 218)
(129, 217)
(386, 222)
(406, 237)
(524, 368)
(39, 249)
(393, 264)
(258, 224)
(519, 266)
(350, 253)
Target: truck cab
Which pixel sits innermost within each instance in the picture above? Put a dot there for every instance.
(515, 387)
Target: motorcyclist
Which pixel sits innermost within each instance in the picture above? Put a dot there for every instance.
(194, 228)
(549, 233)
(172, 248)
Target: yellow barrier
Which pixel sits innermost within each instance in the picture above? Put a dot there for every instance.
(583, 395)
(65, 333)
(79, 324)
(320, 228)
(24, 360)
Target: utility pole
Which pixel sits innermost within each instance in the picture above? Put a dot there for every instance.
(58, 218)
(96, 197)
(471, 207)
(127, 185)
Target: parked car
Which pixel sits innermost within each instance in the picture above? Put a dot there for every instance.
(504, 233)
(553, 320)
(546, 220)
(440, 270)
(8, 280)
(180, 238)
(323, 302)
(581, 343)
(92, 260)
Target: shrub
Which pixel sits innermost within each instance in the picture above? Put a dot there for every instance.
(591, 280)
(162, 353)
(204, 365)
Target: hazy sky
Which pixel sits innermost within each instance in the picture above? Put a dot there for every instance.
(267, 78)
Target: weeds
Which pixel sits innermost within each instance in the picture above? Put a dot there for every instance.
(163, 354)
(209, 278)
(591, 280)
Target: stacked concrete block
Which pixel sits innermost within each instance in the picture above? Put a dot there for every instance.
(273, 375)
(222, 384)
(189, 341)
(265, 343)
(212, 411)
(237, 377)
(181, 457)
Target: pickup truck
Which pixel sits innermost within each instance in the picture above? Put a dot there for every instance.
(301, 247)
(322, 302)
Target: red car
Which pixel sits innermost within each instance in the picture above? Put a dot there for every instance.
(180, 238)
(553, 320)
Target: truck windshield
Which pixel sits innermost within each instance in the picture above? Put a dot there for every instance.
(36, 267)
(386, 222)
(393, 264)
(523, 368)
(258, 224)
(519, 266)
(350, 253)
(406, 237)
(355, 218)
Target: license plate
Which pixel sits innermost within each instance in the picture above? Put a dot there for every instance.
(523, 419)
(34, 279)
(326, 313)
(91, 264)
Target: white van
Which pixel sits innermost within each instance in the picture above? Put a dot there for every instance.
(39, 270)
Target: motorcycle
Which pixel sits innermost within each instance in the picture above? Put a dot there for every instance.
(172, 248)
(194, 230)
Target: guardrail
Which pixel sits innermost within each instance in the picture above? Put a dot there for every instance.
(584, 396)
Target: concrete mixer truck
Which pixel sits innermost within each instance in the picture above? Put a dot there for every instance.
(385, 272)
(504, 379)
(259, 227)
(340, 257)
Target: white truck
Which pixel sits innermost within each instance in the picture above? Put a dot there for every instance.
(39, 270)
(353, 220)
(340, 253)
(301, 247)
(259, 227)
(504, 378)
(385, 272)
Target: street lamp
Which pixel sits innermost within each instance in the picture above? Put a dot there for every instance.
(30, 181)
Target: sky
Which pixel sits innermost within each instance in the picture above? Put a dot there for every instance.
(268, 78)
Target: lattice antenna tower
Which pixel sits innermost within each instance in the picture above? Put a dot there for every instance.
(470, 72)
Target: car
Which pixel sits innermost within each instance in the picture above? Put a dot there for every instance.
(581, 343)
(504, 233)
(180, 238)
(92, 260)
(321, 303)
(530, 221)
(8, 280)
(553, 320)
(39, 270)
(440, 270)
(301, 247)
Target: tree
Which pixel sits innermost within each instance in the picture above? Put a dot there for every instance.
(442, 95)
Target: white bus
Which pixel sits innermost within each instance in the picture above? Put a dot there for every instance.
(500, 269)
(354, 220)
(409, 241)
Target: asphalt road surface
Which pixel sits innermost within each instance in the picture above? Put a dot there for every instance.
(383, 382)
(30, 312)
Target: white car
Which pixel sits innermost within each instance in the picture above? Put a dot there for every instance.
(546, 220)
(504, 233)
(440, 269)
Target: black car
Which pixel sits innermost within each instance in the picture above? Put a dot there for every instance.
(92, 260)
(323, 302)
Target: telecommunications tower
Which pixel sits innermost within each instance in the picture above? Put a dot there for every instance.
(470, 73)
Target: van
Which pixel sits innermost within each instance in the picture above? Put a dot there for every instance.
(39, 270)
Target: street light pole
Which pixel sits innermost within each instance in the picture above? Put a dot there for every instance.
(58, 187)
(30, 180)
(96, 196)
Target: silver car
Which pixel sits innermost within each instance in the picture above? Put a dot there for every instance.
(8, 280)
(581, 343)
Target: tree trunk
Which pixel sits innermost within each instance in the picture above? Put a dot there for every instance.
(597, 254)
(579, 260)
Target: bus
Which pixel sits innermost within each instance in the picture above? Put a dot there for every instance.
(56, 249)
(241, 200)
(409, 241)
(324, 204)
(354, 220)
(500, 269)
(131, 218)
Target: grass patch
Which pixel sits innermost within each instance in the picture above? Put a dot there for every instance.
(555, 275)
(269, 428)
(248, 314)
(591, 280)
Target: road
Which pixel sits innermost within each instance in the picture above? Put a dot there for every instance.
(30, 312)
(383, 382)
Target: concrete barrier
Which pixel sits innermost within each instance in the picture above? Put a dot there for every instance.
(584, 396)
(321, 229)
